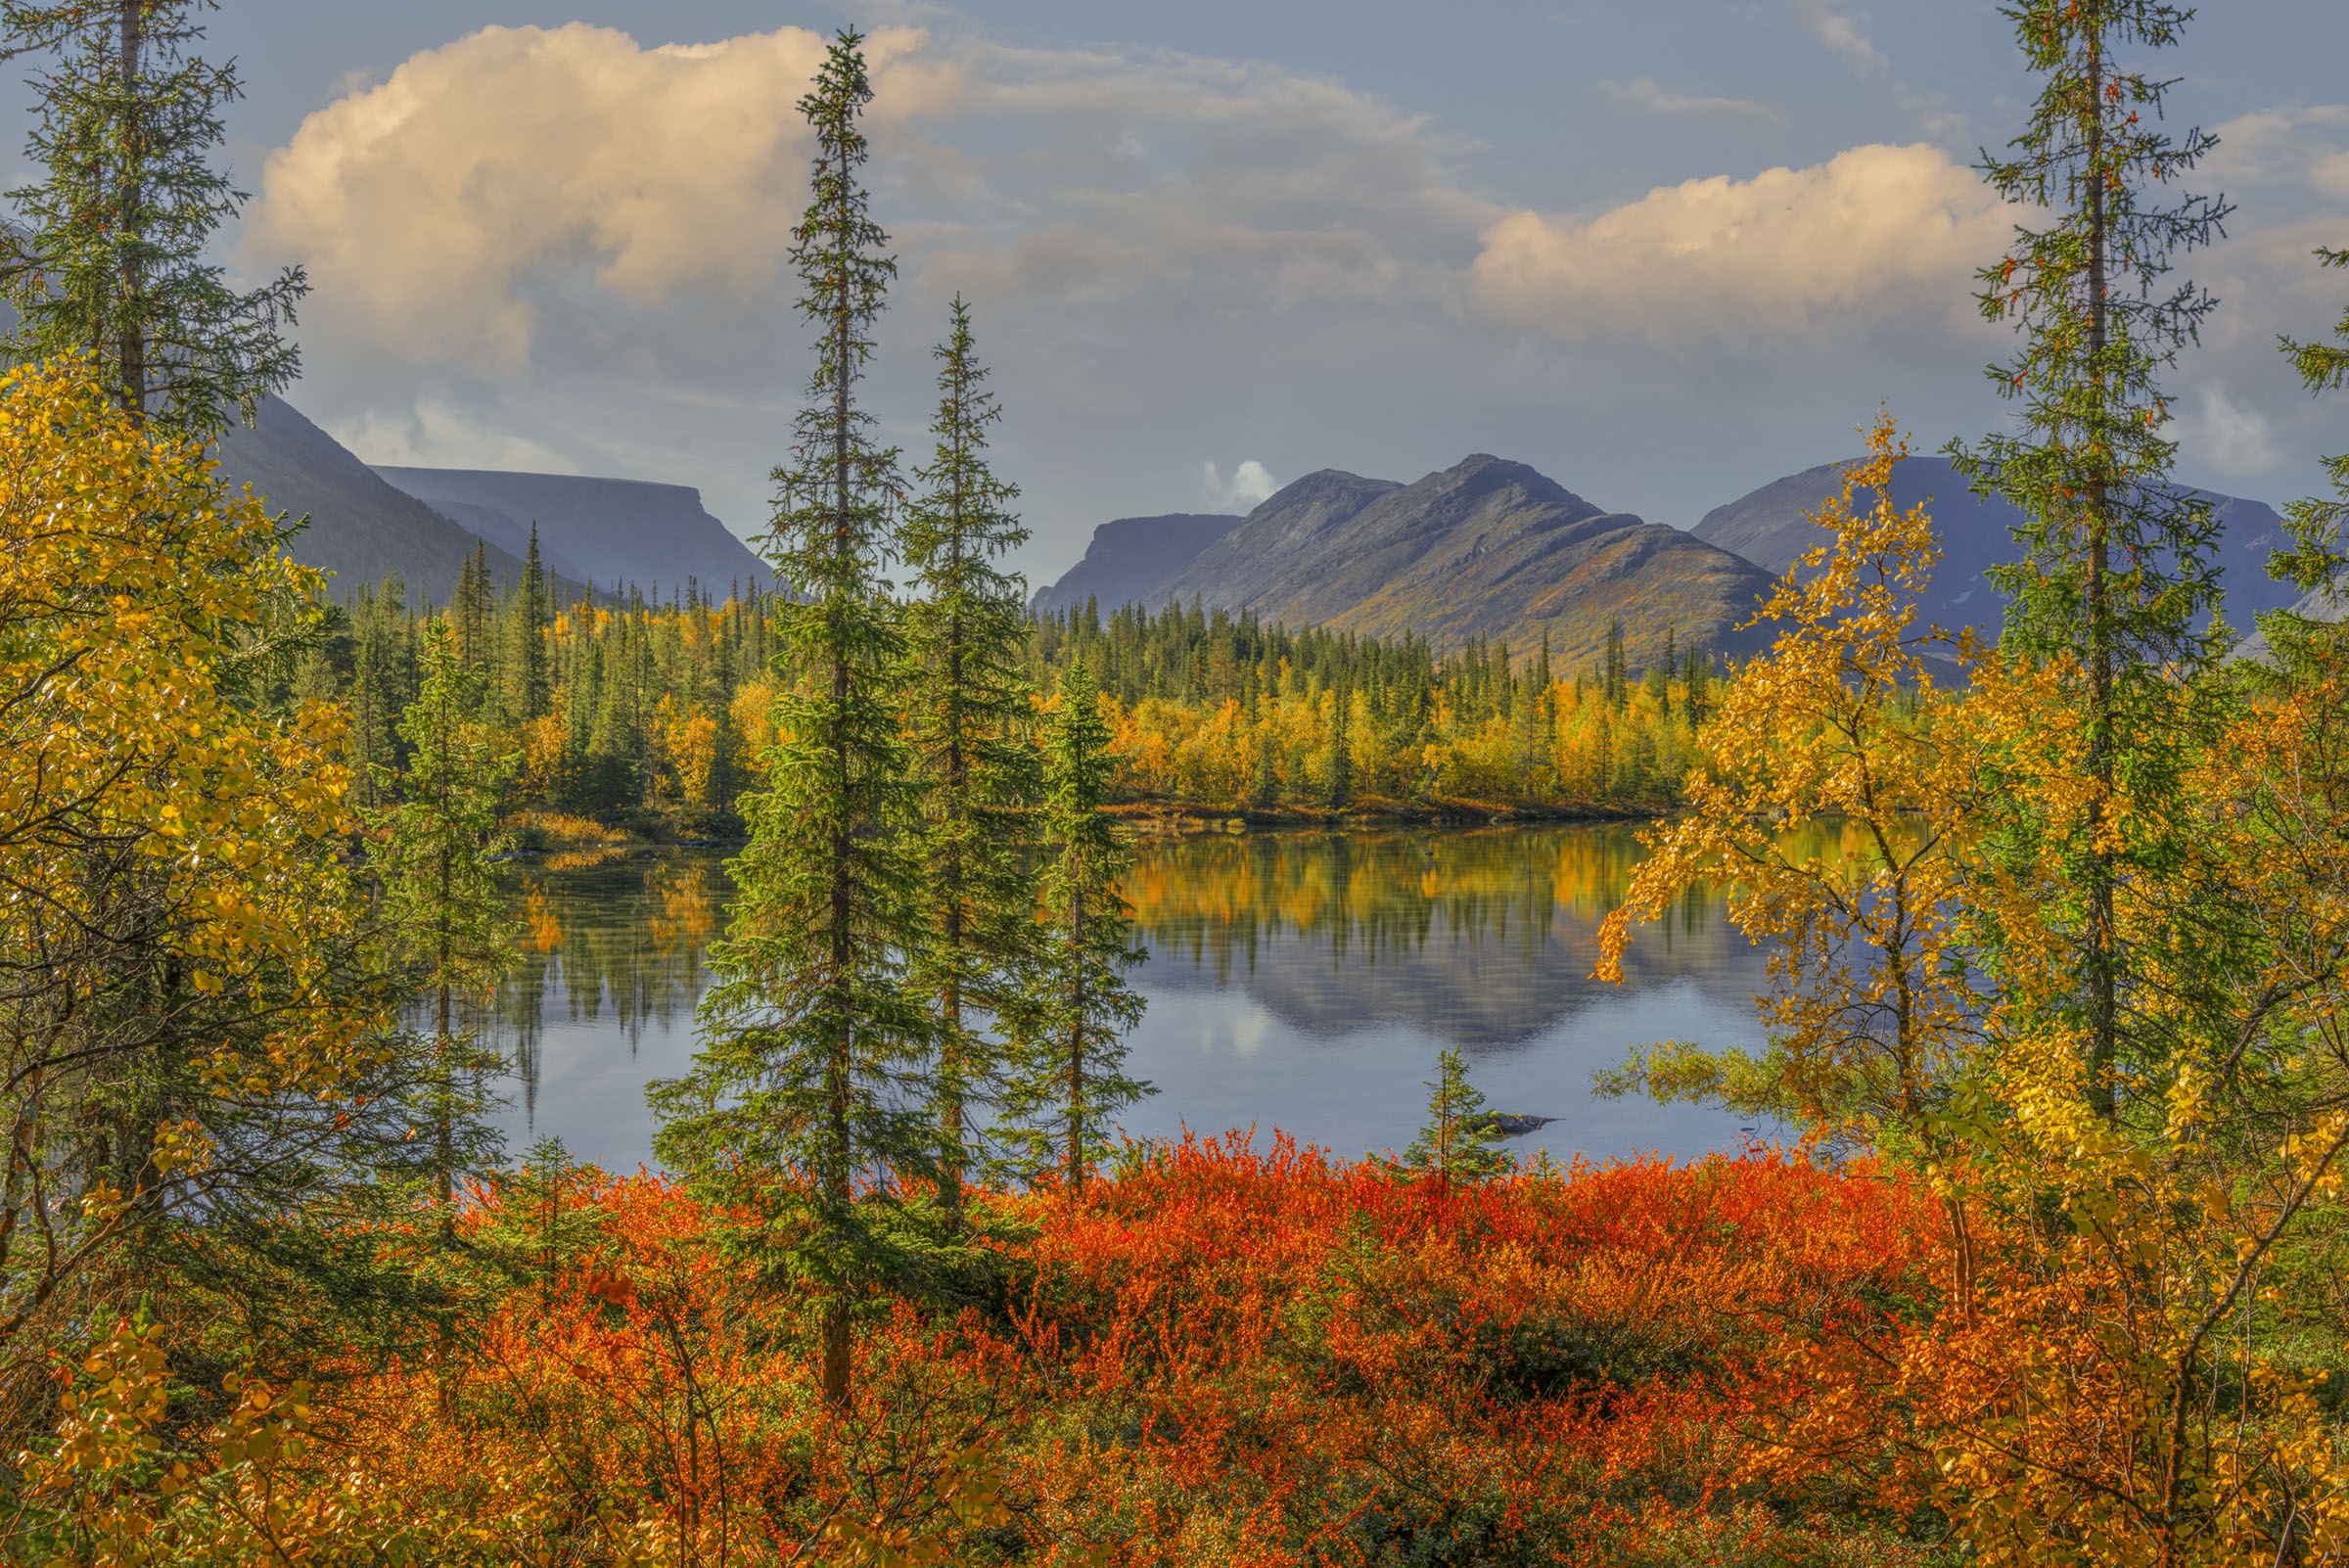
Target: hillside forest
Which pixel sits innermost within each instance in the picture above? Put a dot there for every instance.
(655, 716)
(2047, 1270)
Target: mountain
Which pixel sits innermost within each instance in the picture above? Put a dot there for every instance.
(361, 528)
(612, 530)
(1129, 555)
(1769, 528)
(1489, 549)
(494, 526)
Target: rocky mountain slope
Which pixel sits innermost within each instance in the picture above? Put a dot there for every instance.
(1769, 527)
(1489, 549)
(361, 528)
(1127, 558)
(612, 531)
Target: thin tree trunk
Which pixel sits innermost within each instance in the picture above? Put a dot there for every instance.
(952, 1057)
(1076, 1041)
(836, 1175)
(133, 344)
(2104, 1010)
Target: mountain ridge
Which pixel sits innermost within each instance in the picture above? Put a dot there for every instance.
(1489, 548)
(1768, 527)
(638, 533)
(361, 528)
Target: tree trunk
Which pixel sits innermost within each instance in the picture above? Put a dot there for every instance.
(132, 344)
(2102, 977)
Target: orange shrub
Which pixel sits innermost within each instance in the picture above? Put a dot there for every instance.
(1220, 1355)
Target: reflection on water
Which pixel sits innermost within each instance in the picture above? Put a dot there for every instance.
(611, 958)
(1303, 982)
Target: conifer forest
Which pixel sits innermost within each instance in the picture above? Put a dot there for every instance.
(2039, 1260)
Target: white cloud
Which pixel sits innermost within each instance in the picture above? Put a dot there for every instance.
(562, 248)
(427, 207)
(1874, 233)
(2290, 145)
(1838, 32)
(1251, 483)
(2231, 437)
(1643, 93)
(433, 434)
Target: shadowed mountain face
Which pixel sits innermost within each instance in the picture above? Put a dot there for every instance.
(503, 533)
(360, 528)
(1129, 556)
(1487, 549)
(1769, 527)
(617, 532)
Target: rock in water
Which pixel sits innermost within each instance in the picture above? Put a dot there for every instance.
(1511, 1126)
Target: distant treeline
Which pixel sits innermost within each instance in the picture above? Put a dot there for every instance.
(653, 713)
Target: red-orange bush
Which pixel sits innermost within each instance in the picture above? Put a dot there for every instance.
(1221, 1355)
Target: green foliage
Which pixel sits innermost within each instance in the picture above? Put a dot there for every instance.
(813, 1044)
(2116, 575)
(445, 922)
(1072, 1077)
(2317, 524)
(110, 257)
(969, 704)
(1455, 1145)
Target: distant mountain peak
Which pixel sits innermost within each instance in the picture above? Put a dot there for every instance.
(1771, 526)
(361, 528)
(1481, 472)
(617, 532)
(1487, 548)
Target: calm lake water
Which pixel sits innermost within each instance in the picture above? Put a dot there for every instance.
(1303, 982)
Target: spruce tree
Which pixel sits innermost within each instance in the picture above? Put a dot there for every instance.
(527, 687)
(2116, 575)
(1072, 1079)
(442, 910)
(109, 253)
(969, 705)
(1455, 1146)
(813, 1042)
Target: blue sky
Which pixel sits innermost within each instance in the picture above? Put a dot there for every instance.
(1664, 251)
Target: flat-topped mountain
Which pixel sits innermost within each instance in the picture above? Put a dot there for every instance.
(360, 528)
(611, 532)
(1487, 548)
(1127, 558)
(1770, 529)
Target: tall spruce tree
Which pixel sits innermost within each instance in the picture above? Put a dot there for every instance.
(813, 1044)
(2116, 575)
(110, 254)
(1071, 1079)
(969, 703)
(441, 904)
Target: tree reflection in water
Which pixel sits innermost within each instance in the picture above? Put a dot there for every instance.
(620, 942)
(1483, 937)
(1327, 964)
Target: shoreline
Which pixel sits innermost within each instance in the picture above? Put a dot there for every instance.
(1174, 819)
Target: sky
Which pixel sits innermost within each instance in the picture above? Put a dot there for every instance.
(1665, 252)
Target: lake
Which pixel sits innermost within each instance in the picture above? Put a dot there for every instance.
(1299, 982)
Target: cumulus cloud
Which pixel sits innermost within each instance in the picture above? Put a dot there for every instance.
(1250, 484)
(427, 207)
(1838, 32)
(1873, 233)
(563, 249)
(1643, 93)
(450, 211)
(2231, 437)
(2295, 145)
(431, 434)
